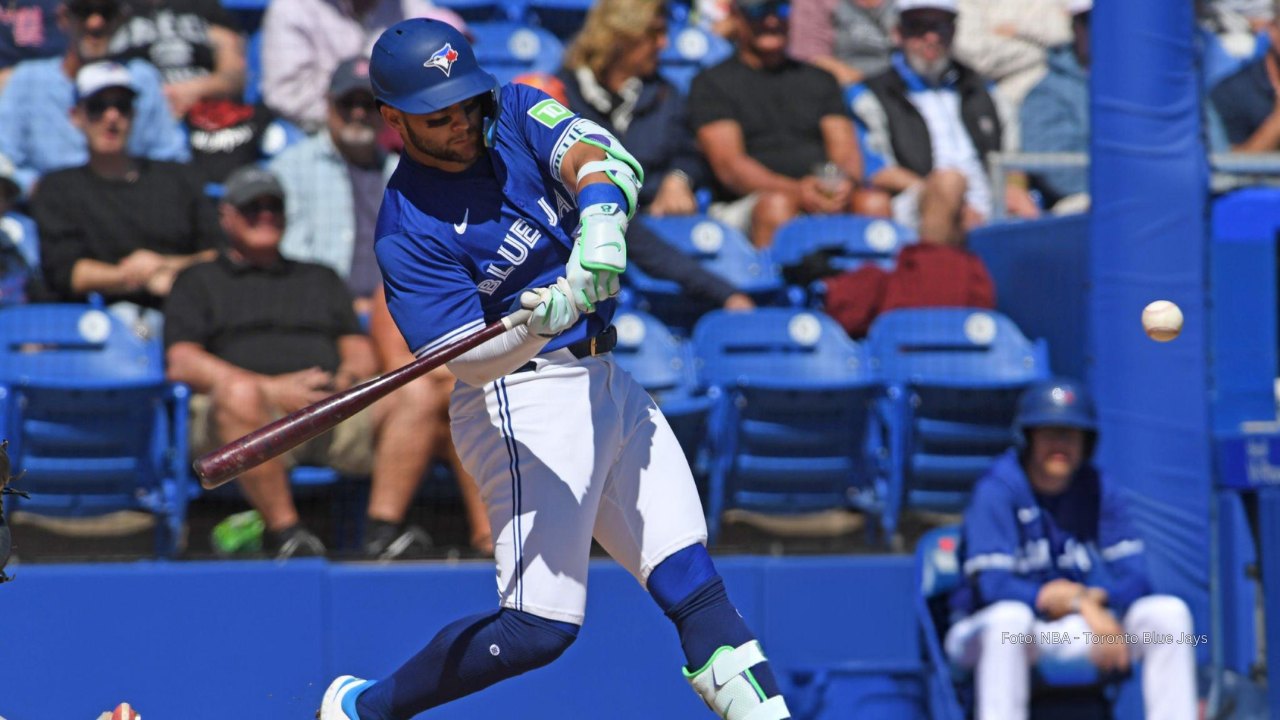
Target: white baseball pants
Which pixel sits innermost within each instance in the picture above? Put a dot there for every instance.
(572, 450)
(1001, 642)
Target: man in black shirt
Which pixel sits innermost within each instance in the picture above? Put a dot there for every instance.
(257, 336)
(120, 226)
(776, 132)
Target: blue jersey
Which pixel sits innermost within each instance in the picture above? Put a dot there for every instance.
(457, 248)
(1016, 541)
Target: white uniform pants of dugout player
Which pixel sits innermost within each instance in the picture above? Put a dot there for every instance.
(1002, 676)
(572, 450)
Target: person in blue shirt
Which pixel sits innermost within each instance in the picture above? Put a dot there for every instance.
(506, 199)
(36, 132)
(1053, 567)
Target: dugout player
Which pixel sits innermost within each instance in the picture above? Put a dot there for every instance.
(504, 198)
(1053, 568)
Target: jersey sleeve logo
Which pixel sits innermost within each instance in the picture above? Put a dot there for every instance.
(549, 113)
(442, 59)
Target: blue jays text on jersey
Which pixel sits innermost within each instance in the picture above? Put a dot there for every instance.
(457, 248)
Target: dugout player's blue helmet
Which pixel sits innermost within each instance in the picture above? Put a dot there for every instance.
(422, 66)
(1058, 402)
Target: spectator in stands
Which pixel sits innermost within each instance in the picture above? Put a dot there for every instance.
(257, 336)
(432, 437)
(851, 39)
(333, 183)
(304, 40)
(775, 131)
(928, 112)
(1055, 115)
(36, 131)
(937, 271)
(201, 56)
(1007, 42)
(1248, 101)
(1049, 545)
(19, 244)
(122, 226)
(28, 31)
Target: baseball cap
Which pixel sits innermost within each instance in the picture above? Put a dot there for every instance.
(250, 182)
(96, 77)
(350, 75)
(1075, 7)
(947, 5)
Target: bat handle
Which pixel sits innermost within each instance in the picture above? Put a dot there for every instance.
(517, 318)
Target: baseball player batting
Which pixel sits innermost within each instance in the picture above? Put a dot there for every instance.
(505, 199)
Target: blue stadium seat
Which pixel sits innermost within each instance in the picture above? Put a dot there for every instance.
(690, 50)
(721, 250)
(663, 365)
(508, 49)
(953, 378)
(91, 419)
(792, 427)
(853, 240)
(487, 10)
(1074, 690)
(563, 18)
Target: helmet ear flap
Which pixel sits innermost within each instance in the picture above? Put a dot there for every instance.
(489, 113)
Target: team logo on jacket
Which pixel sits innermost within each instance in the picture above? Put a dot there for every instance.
(442, 59)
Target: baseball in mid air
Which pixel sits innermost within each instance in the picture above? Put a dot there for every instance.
(1162, 320)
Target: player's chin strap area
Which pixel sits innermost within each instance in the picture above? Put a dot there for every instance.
(728, 687)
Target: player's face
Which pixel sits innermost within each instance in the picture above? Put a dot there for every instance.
(106, 118)
(451, 139)
(1055, 453)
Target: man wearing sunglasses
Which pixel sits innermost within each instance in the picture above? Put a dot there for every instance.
(767, 124)
(928, 114)
(36, 131)
(120, 225)
(334, 182)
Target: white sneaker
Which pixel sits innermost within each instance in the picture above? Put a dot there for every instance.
(339, 701)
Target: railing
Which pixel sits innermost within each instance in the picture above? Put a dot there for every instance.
(1229, 169)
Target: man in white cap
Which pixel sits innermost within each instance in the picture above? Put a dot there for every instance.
(120, 225)
(929, 115)
(36, 132)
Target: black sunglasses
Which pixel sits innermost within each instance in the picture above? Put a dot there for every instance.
(253, 208)
(944, 26)
(757, 13)
(365, 102)
(95, 106)
(84, 11)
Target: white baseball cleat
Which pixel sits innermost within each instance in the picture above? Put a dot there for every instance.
(339, 701)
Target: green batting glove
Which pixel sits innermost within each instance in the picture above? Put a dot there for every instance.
(599, 255)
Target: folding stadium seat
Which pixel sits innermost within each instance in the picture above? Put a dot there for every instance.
(953, 377)
(508, 49)
(563, 18)
(721, 250)
(792, 427)
(663, 365)
(849, 241)
(91, 419)
(1059, 689)
(690, 50)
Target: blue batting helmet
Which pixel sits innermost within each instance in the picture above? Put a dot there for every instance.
(422, 66)
(1059, 402)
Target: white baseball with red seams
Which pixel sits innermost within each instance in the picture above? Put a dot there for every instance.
(1162, 320)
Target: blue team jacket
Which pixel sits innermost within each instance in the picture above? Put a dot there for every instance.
(1014, 540)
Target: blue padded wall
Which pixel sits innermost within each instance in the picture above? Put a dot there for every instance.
(1149, 183)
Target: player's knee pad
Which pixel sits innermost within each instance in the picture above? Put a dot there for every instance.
(728, 687)
(527, 641)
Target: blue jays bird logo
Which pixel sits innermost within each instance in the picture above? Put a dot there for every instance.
(442, 59)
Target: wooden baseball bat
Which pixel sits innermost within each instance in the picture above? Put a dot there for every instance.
(224, 464)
